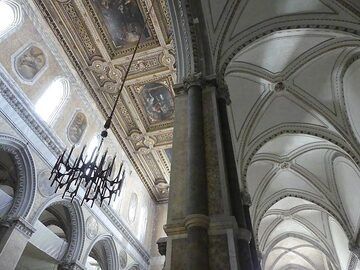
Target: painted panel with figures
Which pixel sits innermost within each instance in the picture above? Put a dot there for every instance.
(123, 20)
(77, 128)
(158, 102)
(29, 63)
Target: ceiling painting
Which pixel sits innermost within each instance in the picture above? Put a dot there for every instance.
(99, 37)
(158, 102)
(119, 23)
(123, 20)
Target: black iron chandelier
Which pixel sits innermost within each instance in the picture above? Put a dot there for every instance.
(93, 173)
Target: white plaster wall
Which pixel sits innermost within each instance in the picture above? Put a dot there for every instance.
(145, 221)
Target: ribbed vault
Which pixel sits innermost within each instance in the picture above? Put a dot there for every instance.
(295, 145)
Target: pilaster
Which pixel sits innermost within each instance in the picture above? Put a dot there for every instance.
(14, 234)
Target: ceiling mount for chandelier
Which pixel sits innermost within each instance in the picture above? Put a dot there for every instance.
(93, 173)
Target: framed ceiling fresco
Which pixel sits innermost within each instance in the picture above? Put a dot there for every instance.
(120, 23)
(123, 20)
(158, 102)
(99, 36)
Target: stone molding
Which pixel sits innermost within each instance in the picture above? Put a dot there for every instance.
(126, 232)
(18, 102)
(355, 250)
(161, 243)
(196, 220)
(214, 224)
(195, 79)
(21, 225)
(13, 96)
(222, 92)
(246, 198)
(71, 266)
(25, 193)
(244, 234)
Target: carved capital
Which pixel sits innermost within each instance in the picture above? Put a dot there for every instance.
(21, 225)
(179, 89)
(355, 249)
(222, 92)
(193, 80)
(161, 243)
(197, 220)
(245, 234)
(246, 198)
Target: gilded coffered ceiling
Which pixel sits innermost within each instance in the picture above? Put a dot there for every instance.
(99, 37)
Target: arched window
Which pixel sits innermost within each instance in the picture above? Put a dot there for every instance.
(10, 15)
(52, 100)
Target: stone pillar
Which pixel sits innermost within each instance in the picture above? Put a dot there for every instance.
(201, 228)
(245, 235)
(246, 199)
(15, 234)
(196, 220)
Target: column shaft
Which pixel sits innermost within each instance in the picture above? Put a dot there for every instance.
(196, 190)
(245, 258)
(196, 171)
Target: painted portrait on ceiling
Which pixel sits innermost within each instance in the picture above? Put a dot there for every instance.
(30, 62)
(158, 101)
(123, 20)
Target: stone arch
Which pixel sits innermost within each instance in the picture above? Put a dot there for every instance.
(256, 33)
(108, 255)
(319, 132)
(77, 223)
(270, 242)
(295, 194)
(302, 237)
(26, 189)
(134, 267)
(344, 91)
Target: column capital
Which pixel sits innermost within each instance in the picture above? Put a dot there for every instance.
(246, 198)
(222, 92)
(161, 243)
(21, 225)
(245, 234)
(197, 220)
(355, 249)
(71, 266)
(195, 79)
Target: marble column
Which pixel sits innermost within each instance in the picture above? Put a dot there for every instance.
(245, 235)
(201, 228)
(196, 220)
(15, 235)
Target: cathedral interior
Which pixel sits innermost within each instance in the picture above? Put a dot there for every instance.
(234, 126)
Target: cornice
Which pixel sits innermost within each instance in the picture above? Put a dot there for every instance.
(21, 105)
(18, 102)
(21, 225)
(89, 65)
